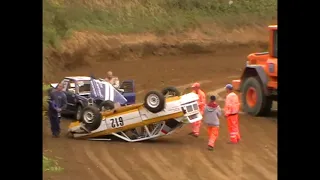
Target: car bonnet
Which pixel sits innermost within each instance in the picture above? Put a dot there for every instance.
(105, 91)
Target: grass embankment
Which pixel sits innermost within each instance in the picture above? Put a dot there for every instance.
(50, 165)
(61, 17)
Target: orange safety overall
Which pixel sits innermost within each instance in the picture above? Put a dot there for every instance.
(231, 111)
(201, 102)
(213, 133)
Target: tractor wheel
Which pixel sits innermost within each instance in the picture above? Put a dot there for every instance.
(154, 101)
(106, 105)
(91, 118)
(255, 102)
(170, 91)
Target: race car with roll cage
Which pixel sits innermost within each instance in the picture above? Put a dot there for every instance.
(160, 114)
(83, 91)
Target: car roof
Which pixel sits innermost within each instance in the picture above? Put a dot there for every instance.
(79, 78)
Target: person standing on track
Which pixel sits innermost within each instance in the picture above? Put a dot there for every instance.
(113, 80)
(201, 102)
(231, 111)
(212, 112)
(57, 102)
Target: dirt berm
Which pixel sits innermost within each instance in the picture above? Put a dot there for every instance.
(85, 49)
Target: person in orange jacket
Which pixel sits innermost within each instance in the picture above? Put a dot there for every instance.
(201, 102)
(231, 112)
(212, 112)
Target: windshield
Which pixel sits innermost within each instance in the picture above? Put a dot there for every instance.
(275, 44)
(84, 86)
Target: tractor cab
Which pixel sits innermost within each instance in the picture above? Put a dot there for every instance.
(273, 42)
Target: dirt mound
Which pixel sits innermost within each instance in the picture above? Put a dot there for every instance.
(87, 48)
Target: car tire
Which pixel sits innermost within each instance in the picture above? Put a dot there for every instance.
(106, 105)
(91, 118)
(171, 91)
(154, 101)
(78, 112)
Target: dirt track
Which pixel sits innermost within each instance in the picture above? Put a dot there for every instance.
(177, 156)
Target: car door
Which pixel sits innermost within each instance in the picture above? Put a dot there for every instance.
(71, 95)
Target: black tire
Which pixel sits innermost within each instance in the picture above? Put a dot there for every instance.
(106, 105)
(171, 90)
(78, 112)
(263, 103)
(94, 122)
(154, 97)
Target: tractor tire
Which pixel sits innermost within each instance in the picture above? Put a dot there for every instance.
(91, 118)
(255, 102)
(106, 105)
(171, 91)
(154, 101)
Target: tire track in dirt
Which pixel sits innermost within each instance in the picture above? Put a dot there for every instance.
(208, 168)
(83, 161)
(120, 171)
(167, 163)
(137, 167)
(100, 165)
(154, 164)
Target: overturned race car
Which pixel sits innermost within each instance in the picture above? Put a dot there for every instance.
(159, 115)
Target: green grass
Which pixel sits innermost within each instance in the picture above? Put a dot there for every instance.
(159, 16)
(50, 165)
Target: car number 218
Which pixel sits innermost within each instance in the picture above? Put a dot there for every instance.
(116, 122)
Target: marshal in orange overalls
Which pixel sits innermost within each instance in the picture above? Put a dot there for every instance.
(201, 102)
(231, 111)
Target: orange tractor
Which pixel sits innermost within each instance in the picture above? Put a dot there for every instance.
(258, 83)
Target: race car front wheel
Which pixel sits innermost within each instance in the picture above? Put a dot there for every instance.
(154, 101)
(91, 118)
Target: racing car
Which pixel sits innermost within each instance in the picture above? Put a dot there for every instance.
(82, 91)
(160, 114)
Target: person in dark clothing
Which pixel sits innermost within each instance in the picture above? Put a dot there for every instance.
(57, 102)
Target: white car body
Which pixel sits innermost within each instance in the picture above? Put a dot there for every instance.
(178, 110)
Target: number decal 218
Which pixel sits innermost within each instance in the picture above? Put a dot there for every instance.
(116, 122)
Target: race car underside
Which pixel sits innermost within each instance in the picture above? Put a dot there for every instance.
(151, 131)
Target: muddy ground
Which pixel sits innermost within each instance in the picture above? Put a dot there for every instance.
(177, 156)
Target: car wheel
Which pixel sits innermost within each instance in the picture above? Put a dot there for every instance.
(91, 118)
(78, 112)
(154, 101)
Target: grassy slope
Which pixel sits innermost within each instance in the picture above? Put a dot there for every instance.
(62, 17)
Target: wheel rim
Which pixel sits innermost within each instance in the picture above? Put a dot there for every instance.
(78, 112)
(153, 101)
(88, 117)
(251, 97)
